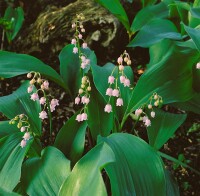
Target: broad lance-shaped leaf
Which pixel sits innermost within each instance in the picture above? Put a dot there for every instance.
(12, 156)
(132, 166)
(163, 126)
(115, 7)
(155, 31)
(99, 122)
(7, 129)
(45, 175)
(85, 178)
(169, 74)
(71, 138)
(194, 34)
(101, 85)
(171, 184)
(16, 17)
(19, 102)
(155, 11)
(70, 69)
(138, 170)
(12, 64)
(192, 105)
(7, 193)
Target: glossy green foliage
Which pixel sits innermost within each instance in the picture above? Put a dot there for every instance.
(135, 168)
(148, 2)
(169, 74)
(115, 7)
(13, 64)
(194, 35)
(192, 104)
(155, 31)
(45, 175)
(71, 138)
(70, 69)
(19, 102)
(16, 17)
(102, 84)
(156, 11)
(96, 115)
(12, 156)
(163, 126)
(7, 193)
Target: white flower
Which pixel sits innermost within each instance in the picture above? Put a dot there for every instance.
(23, 129)
(27, 136)
(108, 108)
(34, 97)
(138, 112)
(30, 89)
(77, 100)
(109, 91)
(115, 93)
(147, 122)
(153, 114)
(83, 116)
(42, 100)
(43, 115)
(198, 65)
(23, 143)
(119, 102)
(79, 118)
(111, 79)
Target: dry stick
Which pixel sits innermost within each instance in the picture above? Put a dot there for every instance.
(2, 39)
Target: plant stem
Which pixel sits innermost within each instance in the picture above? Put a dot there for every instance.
(166, 156)
(50, 117)
(2, 39)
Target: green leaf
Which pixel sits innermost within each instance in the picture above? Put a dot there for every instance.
(7, 129)
(45, 175)
(12, 64)
(7, 193)
(85, 178)
(71, 138)
(99, 122)
(172, 186)
(19, 102)
(156, 11)
(148, 2)
(194, 34)
(102, 84)
(138, 169)
(70, 69)
(194, 17)
(132, 166)
(12, 156)
(192, 105)
(155, 31)
(115, 7)
(169, 74)
(16, 17)
(163, 126)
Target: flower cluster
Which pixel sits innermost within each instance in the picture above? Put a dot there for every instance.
(78, 38)
(113, 89)
(157, 100)
(43, 87)
(24, 126)
(198, 65)
(83, 97)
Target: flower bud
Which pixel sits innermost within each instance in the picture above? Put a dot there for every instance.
(129, 62)
(29, 75)
(32, 81)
